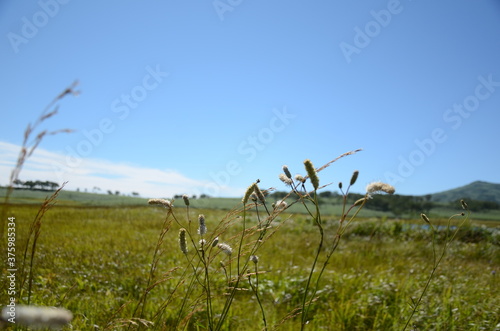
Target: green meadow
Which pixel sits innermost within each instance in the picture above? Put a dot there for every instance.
(121, 267)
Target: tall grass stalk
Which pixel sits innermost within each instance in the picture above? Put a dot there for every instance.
(310, 290)
(31, 140)
(437, 257)
(255, 288)
(151, 281)
(242, 270)
(33, 235)
(247, 240)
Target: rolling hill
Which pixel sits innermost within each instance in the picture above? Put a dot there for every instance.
(477, 190)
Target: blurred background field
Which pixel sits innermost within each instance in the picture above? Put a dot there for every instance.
(482, 198)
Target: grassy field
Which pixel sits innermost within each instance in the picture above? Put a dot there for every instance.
(22, 196)
(97, 262)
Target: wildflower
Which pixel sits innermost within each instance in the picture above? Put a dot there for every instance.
(287, 172)
(39, 317)
(182, 240)
(160, 202)
(285, 179)
(186, 199)
(254, 258)
(202, 229)
(248, 192)
(280, 205)
(311, 172)
(300, 178)
(354, 177)
(225, 248)
(380, 187)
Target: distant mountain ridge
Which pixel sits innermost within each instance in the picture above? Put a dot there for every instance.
(477, 190)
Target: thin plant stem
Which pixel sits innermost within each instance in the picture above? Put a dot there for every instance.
(156, 256)
(207, 290)
(241, 269)
(317, 219)
(35, 231)
(436, 260)
(241, 240)
(31, 140)
(255, 289)
(166, 302)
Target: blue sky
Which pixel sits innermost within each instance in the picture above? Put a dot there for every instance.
(208, 96)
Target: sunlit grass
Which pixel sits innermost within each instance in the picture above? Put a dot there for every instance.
(95, 262)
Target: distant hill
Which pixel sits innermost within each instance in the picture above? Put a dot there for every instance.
(478, 190)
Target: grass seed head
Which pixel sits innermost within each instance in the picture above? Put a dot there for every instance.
(354, 177)
(225, 248)
(215, 242)
(311, 172)
(160, 202)
(253, 197)
(287, 172)
(380, 187)
(280, 205)
(425, 218)
(182, 241)
(300, 178)
(248, 192)
(285, 179)
(464, 205)
(203, 228)
(259, 194)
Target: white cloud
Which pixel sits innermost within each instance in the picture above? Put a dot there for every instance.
(87, 173)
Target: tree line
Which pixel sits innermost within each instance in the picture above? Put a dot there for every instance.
(400, 205)
(36, 185)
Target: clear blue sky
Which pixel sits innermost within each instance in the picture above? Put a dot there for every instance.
(207, 96)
